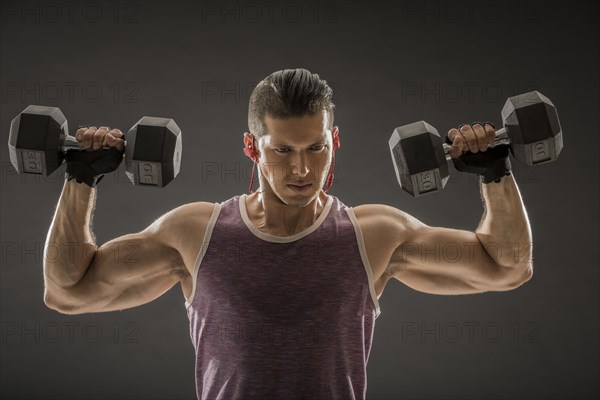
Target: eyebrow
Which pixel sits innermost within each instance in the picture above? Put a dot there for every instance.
(322, 139)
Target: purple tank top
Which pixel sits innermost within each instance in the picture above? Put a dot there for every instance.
(282, 317)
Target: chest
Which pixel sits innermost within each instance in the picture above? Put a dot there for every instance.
(377, 246)
(294, 281)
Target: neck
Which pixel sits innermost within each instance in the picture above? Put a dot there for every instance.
(272, 215)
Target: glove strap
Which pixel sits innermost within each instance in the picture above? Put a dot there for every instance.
(90, 167)
(496, 172)
(82, 173)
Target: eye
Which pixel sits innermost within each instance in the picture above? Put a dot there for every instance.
(318, 147)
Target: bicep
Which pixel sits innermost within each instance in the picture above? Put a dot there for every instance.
(444, 261)
(137, 268)
(125, 272)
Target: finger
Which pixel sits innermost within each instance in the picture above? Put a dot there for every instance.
(118, 143)
(482, 142)
(108, 140)
(467, 133)
(452, 134)
(87, 137)
(490, 133)
(111, 141)
(456, 150)
(116, 133)
(98, 137)
(79, 133)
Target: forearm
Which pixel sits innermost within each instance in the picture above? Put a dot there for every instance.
(70, 245)
(504, 230)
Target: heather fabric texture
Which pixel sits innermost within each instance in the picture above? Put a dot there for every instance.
(282, 317)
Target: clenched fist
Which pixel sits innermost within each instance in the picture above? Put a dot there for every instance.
(473, 150)
(475, 138)
(102, 153)
(96, 138)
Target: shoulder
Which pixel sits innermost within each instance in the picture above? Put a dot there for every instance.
(182, 229)
(186, 215)
(384, 220)
(177, 227)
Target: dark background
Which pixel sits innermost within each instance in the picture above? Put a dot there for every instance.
(389, 63)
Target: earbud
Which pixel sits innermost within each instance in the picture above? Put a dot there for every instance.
(250, 149)
(336, 145)
(336, 142)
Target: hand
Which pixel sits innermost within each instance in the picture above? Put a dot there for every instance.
(473, 150)
(473, 138)
(96, 138)
(90, 165)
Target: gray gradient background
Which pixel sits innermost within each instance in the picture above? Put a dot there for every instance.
(167, 59)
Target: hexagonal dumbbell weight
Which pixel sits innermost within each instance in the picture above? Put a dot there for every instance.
(39, 139)
(531, 129)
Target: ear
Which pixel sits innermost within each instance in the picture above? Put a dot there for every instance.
(248, 140)
(335, 134)
(250, 146)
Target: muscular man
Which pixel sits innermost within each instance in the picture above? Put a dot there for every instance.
(281, 286)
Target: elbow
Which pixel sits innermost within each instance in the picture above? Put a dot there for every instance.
(528, 274)
(61, 307)
(517, 277)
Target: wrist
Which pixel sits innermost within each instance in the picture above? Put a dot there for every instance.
(496, 172)
(89, 167)
(79, 199)
(82, 173)
(91, 182)
(88, 180)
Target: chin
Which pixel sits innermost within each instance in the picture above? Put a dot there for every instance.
(288, 196)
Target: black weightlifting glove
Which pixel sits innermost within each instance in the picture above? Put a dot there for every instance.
(89, 167)
(491, 164)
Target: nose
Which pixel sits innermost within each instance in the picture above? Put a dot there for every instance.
(300, 165)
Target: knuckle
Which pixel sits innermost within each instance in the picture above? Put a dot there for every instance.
(109, 141)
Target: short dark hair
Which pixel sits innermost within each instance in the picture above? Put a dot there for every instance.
(289, 93)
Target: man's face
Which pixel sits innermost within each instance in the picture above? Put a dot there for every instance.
(296, 152)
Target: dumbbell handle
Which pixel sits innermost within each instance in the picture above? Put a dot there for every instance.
(71, 143)
(500, 137)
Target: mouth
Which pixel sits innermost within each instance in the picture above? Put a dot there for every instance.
(300, 188)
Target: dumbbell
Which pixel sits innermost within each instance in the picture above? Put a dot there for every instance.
(39, 140)
(531, 129)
